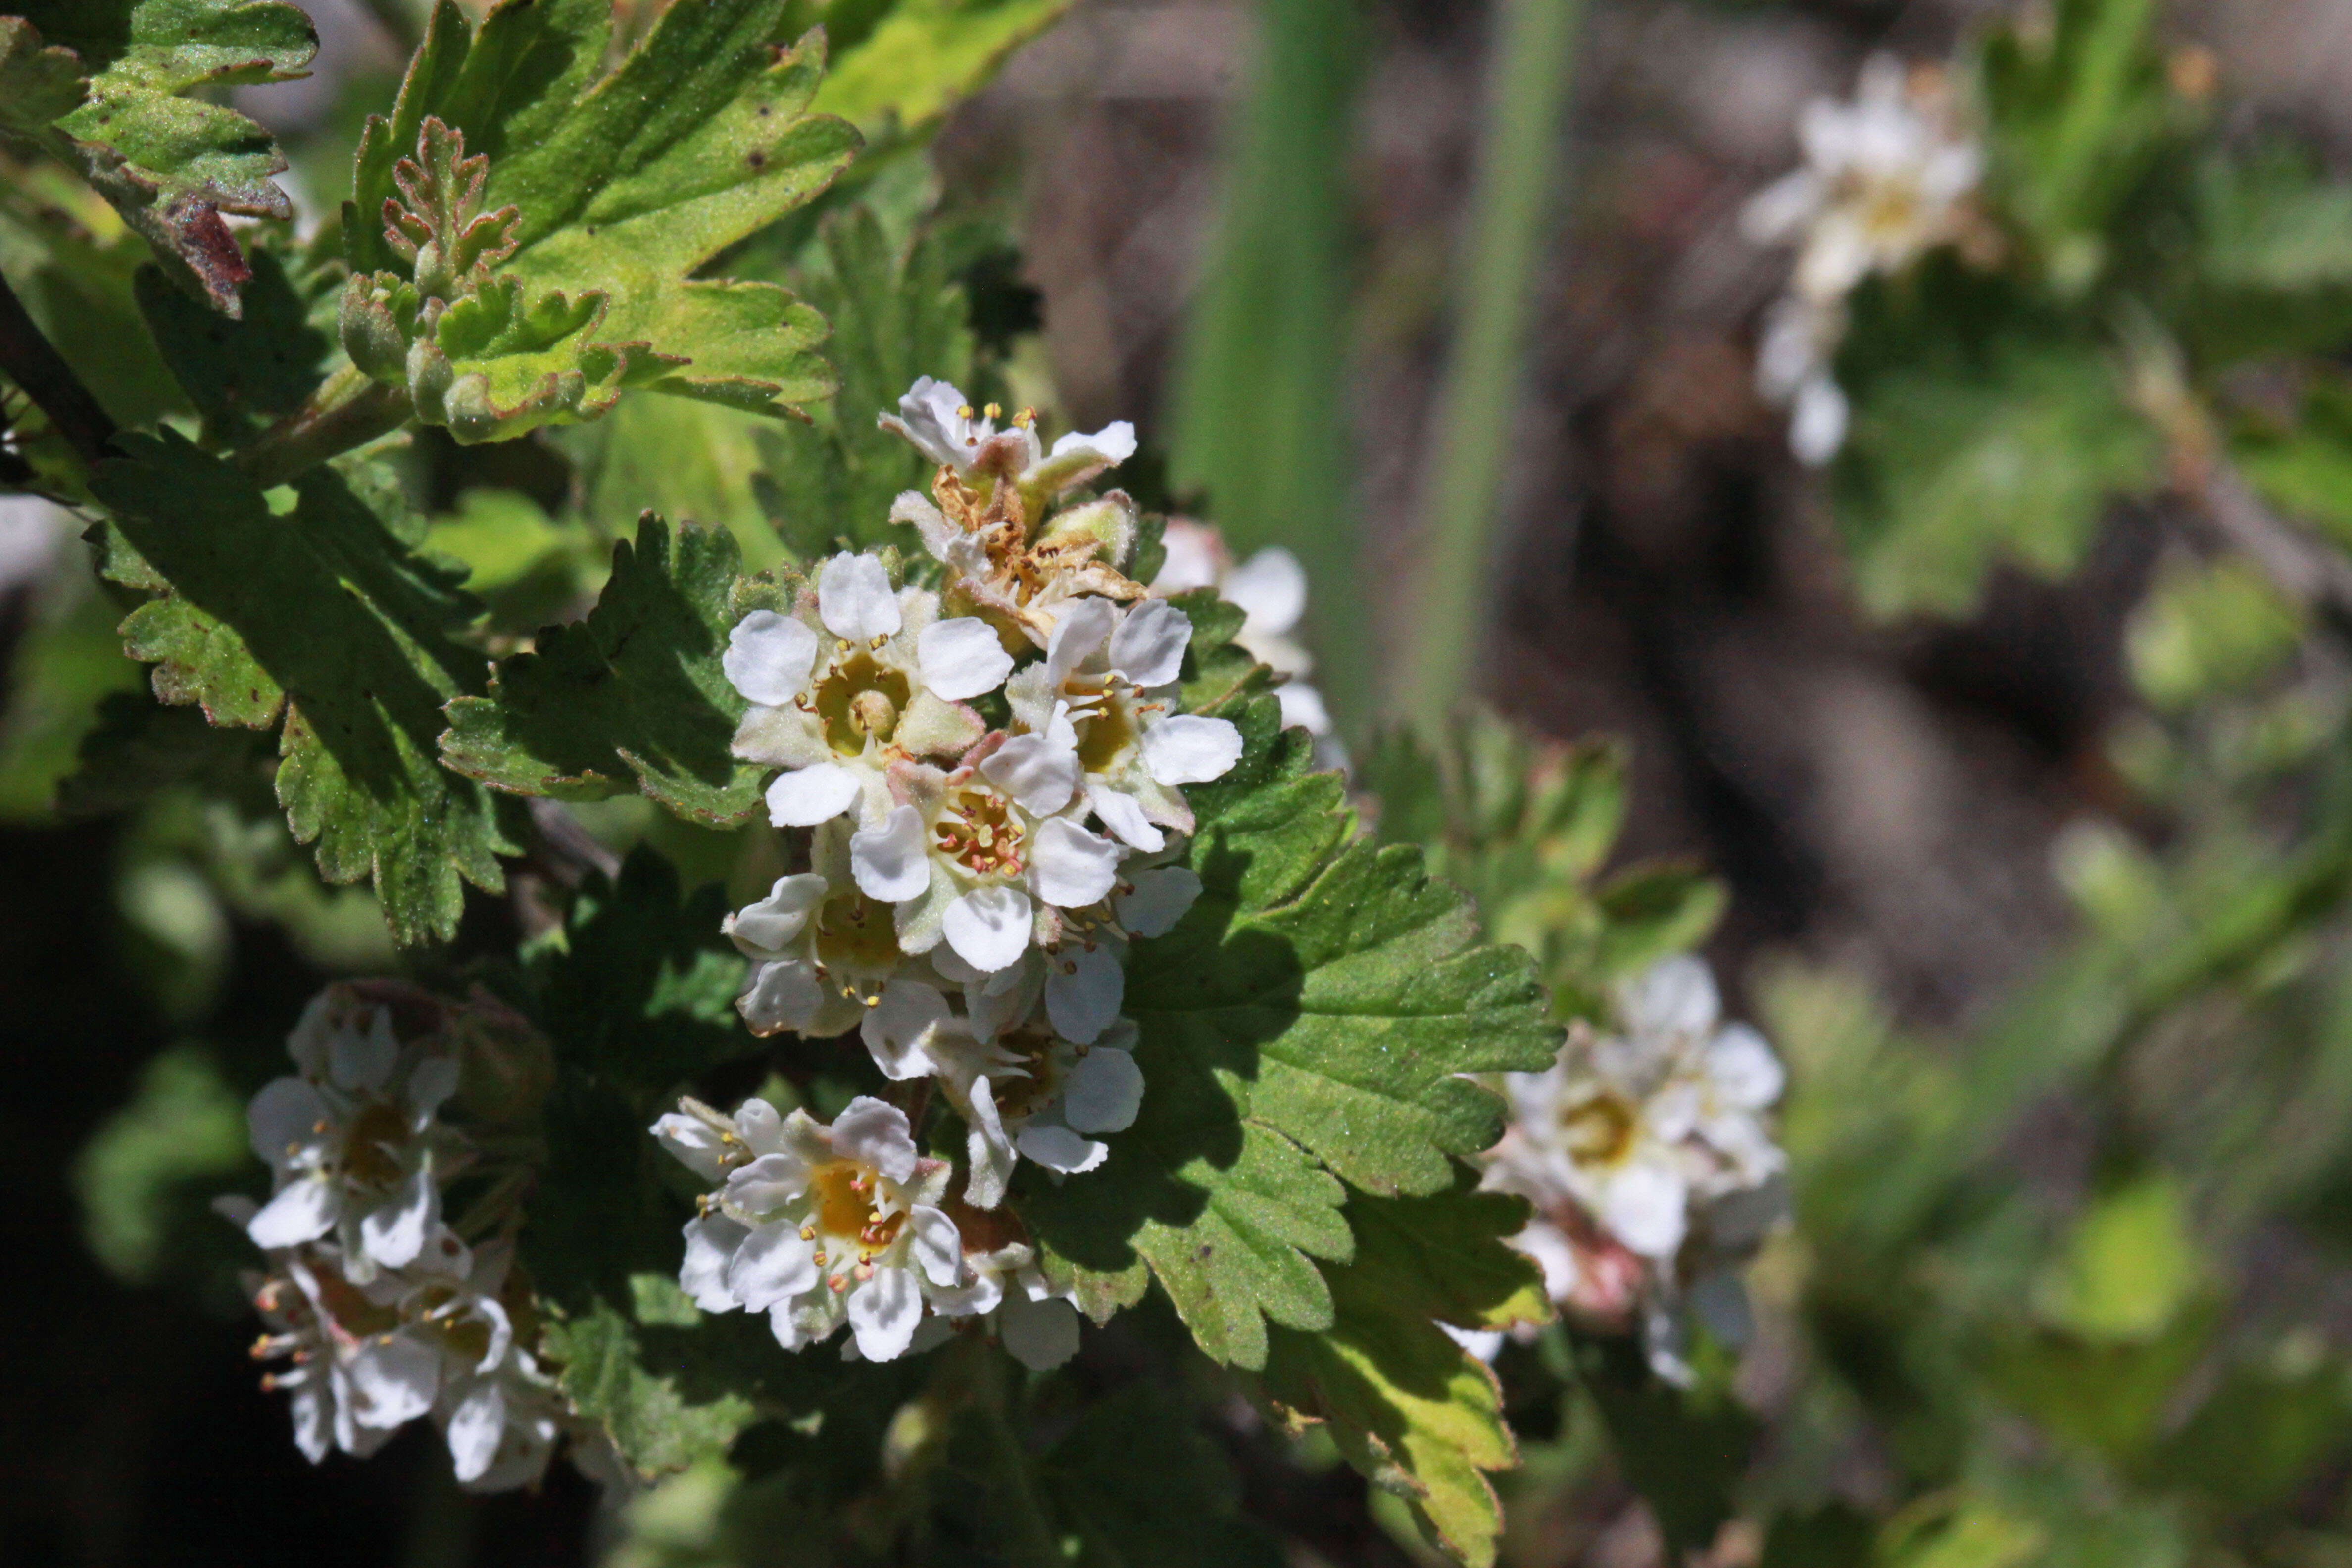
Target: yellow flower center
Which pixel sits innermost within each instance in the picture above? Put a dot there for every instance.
(1599, 1130)
(977, 829)
(859, 696)
(845, 1206)
(369, 1142)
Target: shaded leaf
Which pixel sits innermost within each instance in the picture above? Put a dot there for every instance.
(634, 693)
(324, 617)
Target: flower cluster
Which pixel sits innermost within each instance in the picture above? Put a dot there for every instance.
(1887, 178)
(1270, 590)
(991, 776)
(378, 1312)
(1647, 1157)
(820, 1225)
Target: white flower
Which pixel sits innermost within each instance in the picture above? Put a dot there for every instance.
(354, 1372)
(1795, 369)
(1007, 1294)
(985, 521)
(816, 1225)
(351, 1141)
(1885, 178)
(1270, 590)
(1097, 713)
(1637, 1127)
(823, 953)
(497, 1411)
(856, 677)
(1021, 1088)
(965, 857)
(940, 424)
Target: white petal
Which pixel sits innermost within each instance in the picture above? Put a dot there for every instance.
(988, 1149)
(310, 1424)
(773, 1265)
(1103, 1092)
(761, 1130)
(1270, 588)
(1817, 425)
(1673, 995)
(768, 658)
(1161, 896)
(285, 1116)
(393, 1232)
(962, 657)
(304, 1211)
(1039, 773)
(1114, 443)
(875, 1132)
(1302, 707)
(1195, 557)
(1059, 1149)
(1084, 987)
(768, 1183)
(1189, 748)
(1071, 868)
(938, 1247)
(1125, 818)
(765, 929)
(696, 1146)
(395, 1378)
(363, 1058)
(853, 598)
(784, 995)
(431, 1082)
(710, 1244)
(806, 796)
(1484, 1344)
(1149, 645)
(989, 927)
(889, 861)
(1040, 1334)
(475, 1427)
(899, 1029)
(1083, 628)
(1743, 1070)
(883, 1313)
(1643, 1207)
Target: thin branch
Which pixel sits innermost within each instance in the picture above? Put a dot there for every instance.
(2302, 568)
(33, 362)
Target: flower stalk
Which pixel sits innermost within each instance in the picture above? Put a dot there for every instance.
(350, 409)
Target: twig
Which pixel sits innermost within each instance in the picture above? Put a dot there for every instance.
(33, 362)
(2299, 566)
(568, 850)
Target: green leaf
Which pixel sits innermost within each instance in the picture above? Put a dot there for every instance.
(1682, 1450)
(2274, 258)
(642, 989)
(2076, 114)
(2208, 630)
(1408, 1406)
(656, 1427)
(2008, 450)
(894, 317)
(2306, 469)
(1307, 1021)
(321, 615)
(624, 184)
(138, 747)
(65, 670)
(634, 694)
(925, 55)
(146, 1174)
(246, 372)
(1136, 1481)
(118, 114)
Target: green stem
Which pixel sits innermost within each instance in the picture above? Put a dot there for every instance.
(350, 409)
(1022, 1528)
(33, 362)
(1533, 56)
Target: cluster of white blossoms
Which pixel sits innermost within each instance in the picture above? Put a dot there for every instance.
(379, 1313)
(971, 888)
(1885, 179)
(1270, 590)
(1647, 1157)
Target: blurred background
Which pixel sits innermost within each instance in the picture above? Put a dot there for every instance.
(1264, 233)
